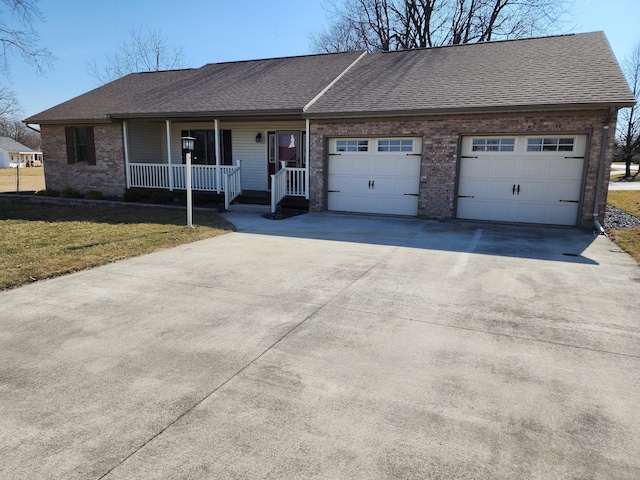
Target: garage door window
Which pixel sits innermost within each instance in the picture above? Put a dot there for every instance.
(352, 145)
(493, 144)
(395, 145)
(550, 144)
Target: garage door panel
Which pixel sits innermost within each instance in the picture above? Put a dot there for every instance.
(374, 181)
(550, 183)
(565, 168)
(481, 167)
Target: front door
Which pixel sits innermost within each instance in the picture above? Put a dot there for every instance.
(284, 146)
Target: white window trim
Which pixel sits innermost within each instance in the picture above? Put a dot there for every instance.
(558, 136)
(494, 137)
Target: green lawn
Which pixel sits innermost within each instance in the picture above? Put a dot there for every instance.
(627, 238)
(40, 241)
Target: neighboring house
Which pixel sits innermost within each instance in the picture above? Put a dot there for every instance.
(516, 131)
(13, 153)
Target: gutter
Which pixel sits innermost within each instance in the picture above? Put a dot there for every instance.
(603, 155)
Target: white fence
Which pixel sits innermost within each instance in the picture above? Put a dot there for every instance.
(232, 185)
(287, 182)
(173, 177)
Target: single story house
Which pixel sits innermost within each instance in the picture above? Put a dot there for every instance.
(15, 153)
(514, 131)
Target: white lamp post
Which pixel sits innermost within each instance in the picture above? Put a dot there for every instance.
(188, 144)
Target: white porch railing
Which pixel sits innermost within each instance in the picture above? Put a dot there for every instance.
(156, 175)
(232, 185)
(288, 181)
(278, 188)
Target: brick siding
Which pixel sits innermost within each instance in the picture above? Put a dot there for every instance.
(440, 156)
(107, 175)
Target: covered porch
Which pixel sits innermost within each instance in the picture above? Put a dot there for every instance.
(266, 156)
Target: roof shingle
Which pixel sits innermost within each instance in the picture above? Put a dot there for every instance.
(568, 71)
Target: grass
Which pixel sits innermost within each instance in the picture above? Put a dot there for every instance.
(31, 179)
(39, 241)
(627, 238)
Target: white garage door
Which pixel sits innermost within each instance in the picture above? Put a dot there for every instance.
(374, 175)
(532, 179)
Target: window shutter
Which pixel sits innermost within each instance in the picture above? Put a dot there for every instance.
(71, 146)
(91, 147)
(227, 154)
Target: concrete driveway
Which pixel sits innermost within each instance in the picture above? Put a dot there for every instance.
(331, 346)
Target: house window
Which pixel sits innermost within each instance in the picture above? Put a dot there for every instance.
(550, 144)
(204, 152)
(352, 145)
(493, 144)
(80, 145)
(395, 145)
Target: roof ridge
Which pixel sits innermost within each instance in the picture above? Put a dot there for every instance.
(491, 42)
(286, 57)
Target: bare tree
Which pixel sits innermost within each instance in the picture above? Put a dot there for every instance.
(381, 25)
(19, 132)
(18, 35)
(144, 51)
(628, 131)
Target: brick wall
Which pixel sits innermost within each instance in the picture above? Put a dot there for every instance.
(107, 175)
(440, 157)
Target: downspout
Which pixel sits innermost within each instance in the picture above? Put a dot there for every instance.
(603, 156)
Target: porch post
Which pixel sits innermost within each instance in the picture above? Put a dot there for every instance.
(125, 139)
(306, 167)
(218, 175)
(168, 125)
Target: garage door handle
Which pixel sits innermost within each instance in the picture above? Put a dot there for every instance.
(518, 190)
(369, 184)
(414, 154)
(466, 196)
(411, 194)
(573, 157)
(513, 190)
(467, 156)
(333, 191)
(570, 201)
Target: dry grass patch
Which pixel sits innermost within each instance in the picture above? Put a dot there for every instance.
(31, 179)
(627, 238)
(44, 241)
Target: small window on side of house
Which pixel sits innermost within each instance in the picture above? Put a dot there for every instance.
(80, 145)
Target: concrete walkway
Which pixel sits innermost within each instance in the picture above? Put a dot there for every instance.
(330, 346)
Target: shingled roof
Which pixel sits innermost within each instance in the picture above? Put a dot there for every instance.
(271, 86)
(569, 71)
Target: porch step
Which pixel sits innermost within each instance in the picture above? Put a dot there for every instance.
(249, 208)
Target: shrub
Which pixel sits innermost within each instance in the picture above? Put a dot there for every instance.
(93, 195)
(132, 196)
(48, 193)
(70, 192)
(161, 197)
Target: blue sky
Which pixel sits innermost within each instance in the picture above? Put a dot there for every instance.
(80, 31)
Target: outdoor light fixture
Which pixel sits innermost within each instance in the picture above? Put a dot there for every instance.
(188, 144)
(259, 137)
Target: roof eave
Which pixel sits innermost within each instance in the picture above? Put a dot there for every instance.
(468, 110)
(67, 121)
(210, 114)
